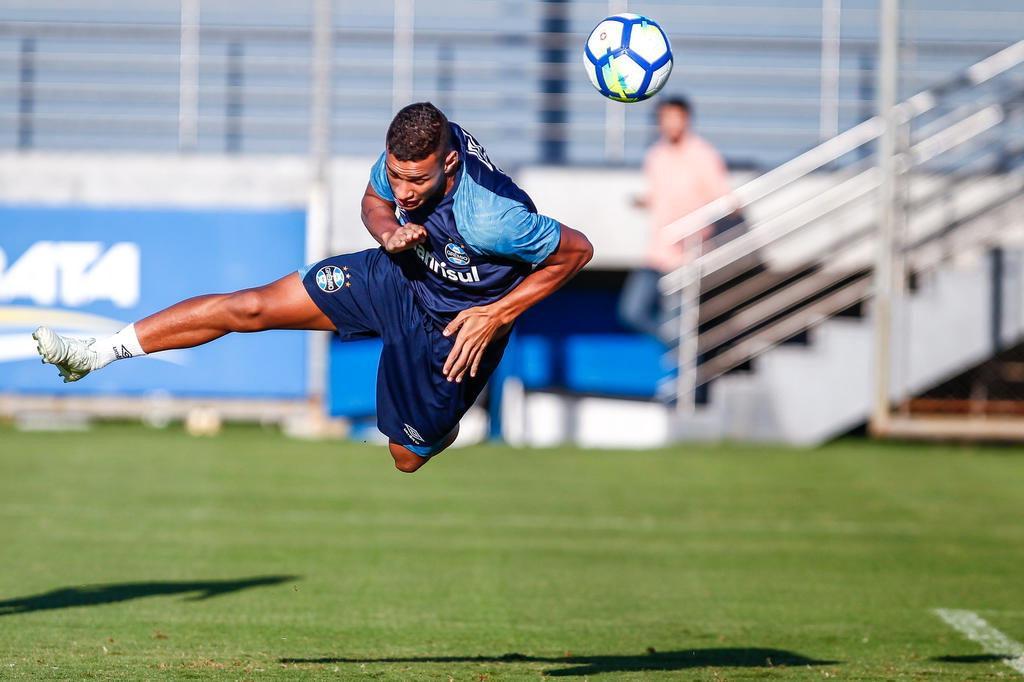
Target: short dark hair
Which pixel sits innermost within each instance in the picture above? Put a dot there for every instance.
(417, 131)
(676, 101)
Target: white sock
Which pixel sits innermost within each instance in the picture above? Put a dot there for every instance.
(120, 346)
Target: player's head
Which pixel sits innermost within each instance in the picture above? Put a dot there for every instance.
(420, 158)
(674, 118)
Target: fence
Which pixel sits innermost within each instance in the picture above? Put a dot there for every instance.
(234, 77)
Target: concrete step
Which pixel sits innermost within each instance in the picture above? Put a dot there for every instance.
(807, 395)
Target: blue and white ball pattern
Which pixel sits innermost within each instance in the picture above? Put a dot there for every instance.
(628, 57)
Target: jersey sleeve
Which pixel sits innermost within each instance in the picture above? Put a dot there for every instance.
(379, 180)
(503, 227)
(526, 236)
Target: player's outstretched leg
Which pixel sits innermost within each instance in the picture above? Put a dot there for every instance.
(408, 461)
(283, 304)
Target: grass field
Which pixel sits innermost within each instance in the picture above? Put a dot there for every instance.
(134, 554)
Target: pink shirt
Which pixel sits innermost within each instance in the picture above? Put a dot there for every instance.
(680, 179)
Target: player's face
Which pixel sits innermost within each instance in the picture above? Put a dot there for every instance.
(673, 123)
(414, 183)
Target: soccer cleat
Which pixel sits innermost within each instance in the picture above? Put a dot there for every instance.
(73, 358)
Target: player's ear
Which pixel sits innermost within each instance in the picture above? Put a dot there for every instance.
(451, 162)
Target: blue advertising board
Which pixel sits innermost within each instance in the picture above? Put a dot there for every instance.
(89, 272)
(352, 378)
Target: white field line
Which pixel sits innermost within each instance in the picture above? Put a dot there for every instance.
(975, 628)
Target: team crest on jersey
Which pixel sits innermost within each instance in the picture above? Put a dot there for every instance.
(331, 278)
(456, 255)
(441, 269)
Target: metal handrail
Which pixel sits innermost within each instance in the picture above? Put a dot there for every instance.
(832, 150)
(847, 191)
(746, 316)
(941, 186)
(934, 139)
(855, 287)
(771, 182)
(923, 256)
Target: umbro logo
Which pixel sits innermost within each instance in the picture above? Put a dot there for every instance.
(122, 353)
(413, 434)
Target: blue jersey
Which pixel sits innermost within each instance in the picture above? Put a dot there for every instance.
(483, 237)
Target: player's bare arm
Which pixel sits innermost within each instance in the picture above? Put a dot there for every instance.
(476, 327)
(379, 218)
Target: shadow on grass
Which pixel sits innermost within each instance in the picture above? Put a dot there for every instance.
(95, 595)
(595, 665)
(974, 658)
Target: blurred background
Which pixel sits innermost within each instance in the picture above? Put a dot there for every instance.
(865, 272)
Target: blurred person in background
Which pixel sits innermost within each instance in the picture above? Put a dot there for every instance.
(683, 172)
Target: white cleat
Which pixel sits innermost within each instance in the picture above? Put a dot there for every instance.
(74, 358)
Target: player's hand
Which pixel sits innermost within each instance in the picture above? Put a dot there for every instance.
(476, 328)
(405, 237)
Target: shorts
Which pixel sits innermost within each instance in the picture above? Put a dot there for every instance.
(365, 295)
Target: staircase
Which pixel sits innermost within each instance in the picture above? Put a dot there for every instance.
(778, 315)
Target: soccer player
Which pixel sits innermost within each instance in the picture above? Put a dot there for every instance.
(463, 253)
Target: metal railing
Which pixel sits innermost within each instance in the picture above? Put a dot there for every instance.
(806, 251)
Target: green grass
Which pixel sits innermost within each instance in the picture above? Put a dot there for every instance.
(135, 554)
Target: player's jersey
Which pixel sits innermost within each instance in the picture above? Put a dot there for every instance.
(484, 236)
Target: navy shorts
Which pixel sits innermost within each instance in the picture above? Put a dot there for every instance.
(366, 295)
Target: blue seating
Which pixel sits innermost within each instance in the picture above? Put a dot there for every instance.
(352, 388)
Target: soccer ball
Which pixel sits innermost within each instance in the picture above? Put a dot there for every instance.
(628, 57)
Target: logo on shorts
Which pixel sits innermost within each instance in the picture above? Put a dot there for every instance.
(456, 255)
(413, 434)
(331, 278)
